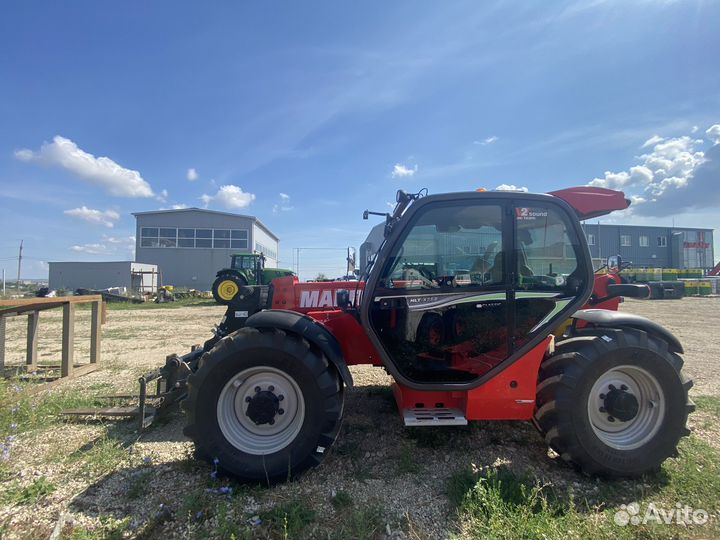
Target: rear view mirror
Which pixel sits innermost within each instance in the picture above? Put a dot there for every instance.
(614, 263)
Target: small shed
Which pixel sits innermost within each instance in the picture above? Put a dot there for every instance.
(133, 276)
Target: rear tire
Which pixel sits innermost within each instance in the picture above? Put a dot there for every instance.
(226, 287)
(276, 432)
(613, 402)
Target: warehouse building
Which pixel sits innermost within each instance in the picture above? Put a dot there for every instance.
(652, 247)
(131, 276)
(190, 245)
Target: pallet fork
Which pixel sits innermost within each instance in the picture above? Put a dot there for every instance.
(170, 388)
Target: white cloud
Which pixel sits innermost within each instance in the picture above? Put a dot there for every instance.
(694, 129)
(179, 206)
(162, 196)
(97, 217)
(488, 140)
(108, 245)
(511, 187)
(229, 197)
(676, 175)
(284, 204)
(652, 141)
(103, 171)
(402, 171)
(713, 133)
(192, 174)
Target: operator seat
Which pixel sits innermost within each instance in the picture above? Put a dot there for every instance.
(496, 272)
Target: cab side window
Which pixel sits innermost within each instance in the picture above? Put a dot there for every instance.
(547, 250)
(449, 246)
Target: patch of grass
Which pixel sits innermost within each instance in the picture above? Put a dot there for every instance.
(100, 456)
(137, 485)
(20, 413)
(459, 484)
(109, 529)
(361, 524)
(289, 519)
(29, 494)
(183, 302)
(708, 404)
(502, 504)
(227, 527)
(197, 506)
(406, 461)
(341, 500)
(121, 333)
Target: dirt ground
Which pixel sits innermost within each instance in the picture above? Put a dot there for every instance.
(375, 460)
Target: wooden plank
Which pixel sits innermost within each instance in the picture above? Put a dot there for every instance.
(78, 372)
(68, 340)
(62, 299)
(32, 339)
(20, 310)
(95, 332)
(2, 344)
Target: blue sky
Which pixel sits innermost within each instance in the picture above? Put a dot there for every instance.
(335, 105)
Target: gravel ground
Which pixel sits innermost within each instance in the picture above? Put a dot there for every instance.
(375, 460)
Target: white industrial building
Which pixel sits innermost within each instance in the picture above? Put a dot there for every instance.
(132, 276)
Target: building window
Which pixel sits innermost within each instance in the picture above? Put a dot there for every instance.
(221, 238)
(591, 239)
(662, 241)
(270, 253)
(644, 241)
(625, 240)
(149, 237)
(203, 238)
(186, 238)
(166, 237)
(238, 239)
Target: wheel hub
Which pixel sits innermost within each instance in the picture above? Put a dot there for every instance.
(260, 410)
(626, 407)
(263, 407)
(621, 404)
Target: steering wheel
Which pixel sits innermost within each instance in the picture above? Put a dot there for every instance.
(424, 272)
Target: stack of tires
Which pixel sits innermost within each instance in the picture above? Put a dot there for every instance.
(666, 290)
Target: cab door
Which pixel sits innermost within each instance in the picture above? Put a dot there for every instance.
(467, 283)
(440, 308)
(551, 271)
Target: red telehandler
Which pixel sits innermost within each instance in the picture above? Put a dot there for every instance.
(482, 306)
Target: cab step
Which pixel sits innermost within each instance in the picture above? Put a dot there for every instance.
(440, 416)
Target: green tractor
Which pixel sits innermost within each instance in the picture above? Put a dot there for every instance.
(245, 269)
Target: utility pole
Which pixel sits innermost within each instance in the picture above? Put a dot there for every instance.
(17, 284)
(3, 282)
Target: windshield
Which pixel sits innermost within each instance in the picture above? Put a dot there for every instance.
(244, 262)
(449, 246)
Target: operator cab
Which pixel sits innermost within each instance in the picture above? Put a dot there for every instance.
(467, 283)
(247, 261)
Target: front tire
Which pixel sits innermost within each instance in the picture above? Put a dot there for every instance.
(613, 402)
(226, 287)
(263, 405)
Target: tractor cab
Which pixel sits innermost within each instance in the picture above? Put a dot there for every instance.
(465, 284)
(251, 264)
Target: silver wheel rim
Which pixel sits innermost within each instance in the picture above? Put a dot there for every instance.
(240, 430)
(639, 430)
